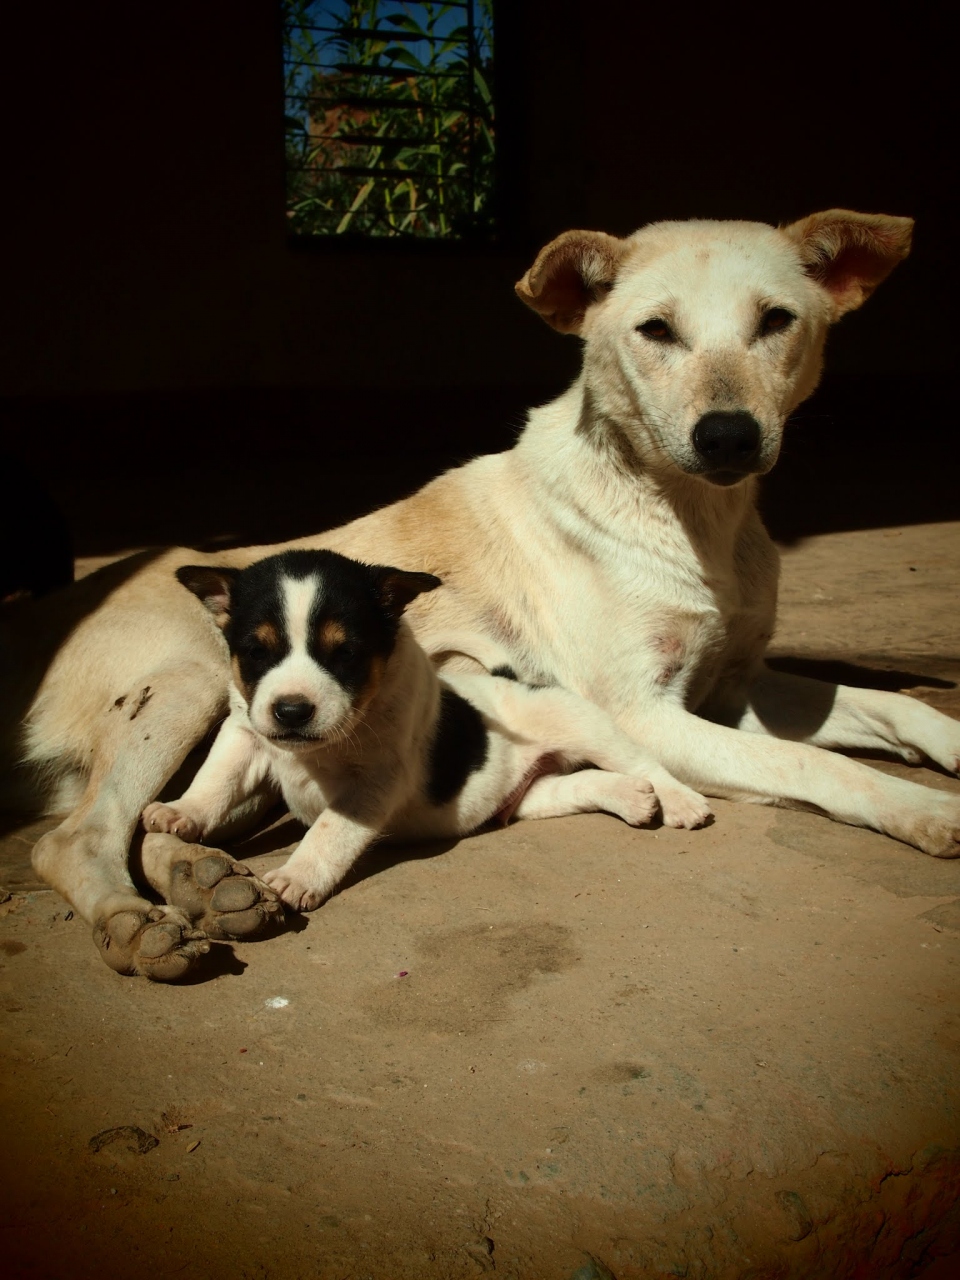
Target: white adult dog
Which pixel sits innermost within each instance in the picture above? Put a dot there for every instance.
(616, 551)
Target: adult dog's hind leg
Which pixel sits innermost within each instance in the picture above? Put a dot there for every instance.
(86, 858)
(831, 715)
(743, 766)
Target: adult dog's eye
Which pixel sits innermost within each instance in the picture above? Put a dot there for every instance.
(656, 330)
(775, 319)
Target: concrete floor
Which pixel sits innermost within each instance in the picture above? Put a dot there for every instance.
(565, 1049)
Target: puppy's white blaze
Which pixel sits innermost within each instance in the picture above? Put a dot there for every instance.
(299, 597)
(298, 677)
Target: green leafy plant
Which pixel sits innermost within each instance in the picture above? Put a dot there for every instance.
(389, 117)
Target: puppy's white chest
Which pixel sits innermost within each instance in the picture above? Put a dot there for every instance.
(306, 789)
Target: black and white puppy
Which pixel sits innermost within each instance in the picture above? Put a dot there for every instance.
(336, 706)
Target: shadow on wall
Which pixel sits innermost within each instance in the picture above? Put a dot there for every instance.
(254, 466)
(865, 453)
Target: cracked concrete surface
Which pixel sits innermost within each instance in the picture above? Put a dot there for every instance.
(564, 1048)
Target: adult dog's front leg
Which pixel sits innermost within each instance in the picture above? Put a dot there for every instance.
(831, 715)
(744, 766)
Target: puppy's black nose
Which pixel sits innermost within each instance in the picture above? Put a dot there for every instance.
(727, 441)
(293, 713)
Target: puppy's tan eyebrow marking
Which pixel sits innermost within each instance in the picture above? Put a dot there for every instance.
(329, 634)
(268, 635)
(369, 691)
(238, 679)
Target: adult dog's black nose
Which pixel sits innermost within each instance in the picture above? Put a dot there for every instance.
(727, 441)
(293, 713)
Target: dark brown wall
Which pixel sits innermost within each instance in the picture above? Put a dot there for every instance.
(769, 112)
(145, 181)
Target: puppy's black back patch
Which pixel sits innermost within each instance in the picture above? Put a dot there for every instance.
(459, 747)
(506, 672)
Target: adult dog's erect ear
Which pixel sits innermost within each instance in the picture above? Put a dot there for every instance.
(850, 253)
(211, 586)
(398, 587)
(571, 272)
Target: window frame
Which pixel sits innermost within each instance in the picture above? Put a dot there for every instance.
(507, 233)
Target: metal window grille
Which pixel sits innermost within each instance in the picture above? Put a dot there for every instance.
(389, 118)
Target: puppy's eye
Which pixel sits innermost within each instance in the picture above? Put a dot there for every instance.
(775, 319)
(346, 652)
(254, 651)
(656, 330)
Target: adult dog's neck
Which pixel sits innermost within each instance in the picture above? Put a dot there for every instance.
(572, 448)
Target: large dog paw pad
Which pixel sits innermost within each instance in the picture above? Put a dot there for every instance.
(223, 897)
(149, 944)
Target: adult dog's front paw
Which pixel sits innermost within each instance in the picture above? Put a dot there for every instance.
(937, 831)
(295, 889)
(931, 734)
(167, 817)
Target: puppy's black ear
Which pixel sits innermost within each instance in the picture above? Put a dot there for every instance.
(211, 586)
(398, 587)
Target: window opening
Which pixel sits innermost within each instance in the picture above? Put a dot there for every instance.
(389, 118)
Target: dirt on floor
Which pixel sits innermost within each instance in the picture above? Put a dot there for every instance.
(567, 1050)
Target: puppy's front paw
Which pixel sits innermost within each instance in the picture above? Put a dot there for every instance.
(294, 890)
(167, 817)
(680, 806)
